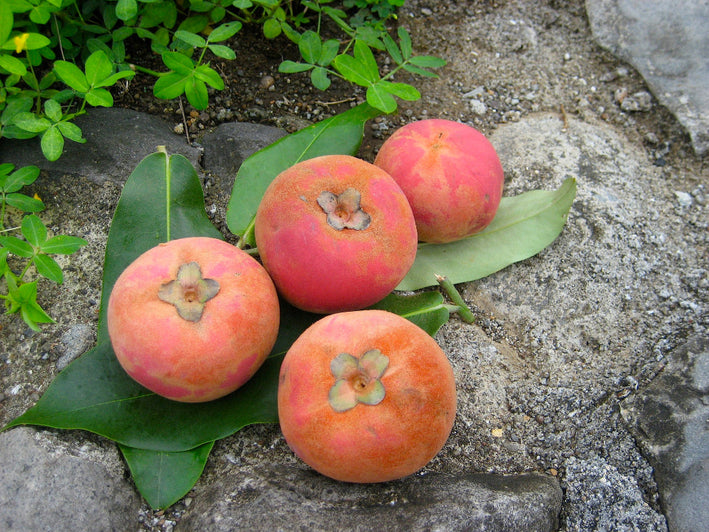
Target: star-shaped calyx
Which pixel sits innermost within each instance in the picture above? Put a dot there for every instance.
(343, 210)
(357, 380)
(189, 292)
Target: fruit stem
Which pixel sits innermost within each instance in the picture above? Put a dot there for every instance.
(449, 288)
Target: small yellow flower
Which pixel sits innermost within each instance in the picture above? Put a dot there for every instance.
(20, 42)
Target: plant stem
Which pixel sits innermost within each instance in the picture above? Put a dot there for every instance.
(168, 192)
(144, 70)
(449, 288)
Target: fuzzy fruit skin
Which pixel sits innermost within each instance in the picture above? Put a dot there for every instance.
(368, 443)
(450, 174)
(321, 269)
(193, 361)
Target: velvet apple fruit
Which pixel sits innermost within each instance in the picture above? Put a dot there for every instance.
(450, 174)
(193, 319)
(335, 233)
(366, 396)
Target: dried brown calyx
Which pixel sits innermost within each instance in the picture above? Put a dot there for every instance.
(189, 291)
(343, 210)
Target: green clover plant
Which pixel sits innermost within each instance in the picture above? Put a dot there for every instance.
(58, 56)
(36, 246)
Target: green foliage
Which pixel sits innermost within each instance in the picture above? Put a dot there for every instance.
(35, 247)
(58, 56)
(166, 443)
(324, 59)
(522, 227)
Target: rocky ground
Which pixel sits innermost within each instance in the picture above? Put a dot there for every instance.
(583, 383)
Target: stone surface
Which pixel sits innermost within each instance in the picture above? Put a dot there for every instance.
(669, 419)
(134, 136)
(278, 498)
(229, 144)
(45, 488)
(668, 43)
(563, 341)
(604, 499)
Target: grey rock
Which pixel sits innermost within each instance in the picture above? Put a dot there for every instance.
(290, 498)
(668, 43)
(133, 135)
(230, 144)
(44, 488)
(75, 341)
(601, 498)
(669, 419)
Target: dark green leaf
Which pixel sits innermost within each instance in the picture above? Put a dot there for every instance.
(340, 134)
(165, 477)
(523, 226)
(33, 230)
(95, 394)
(48, 267)
(426, 309)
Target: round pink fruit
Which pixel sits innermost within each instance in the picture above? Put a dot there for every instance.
(450, 174)
(366, 396)
(335, 233)
(193, 319)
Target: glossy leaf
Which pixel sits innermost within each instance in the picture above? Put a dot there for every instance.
(523, 226)
(426, 309)
(165, 477)
(341, 134)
